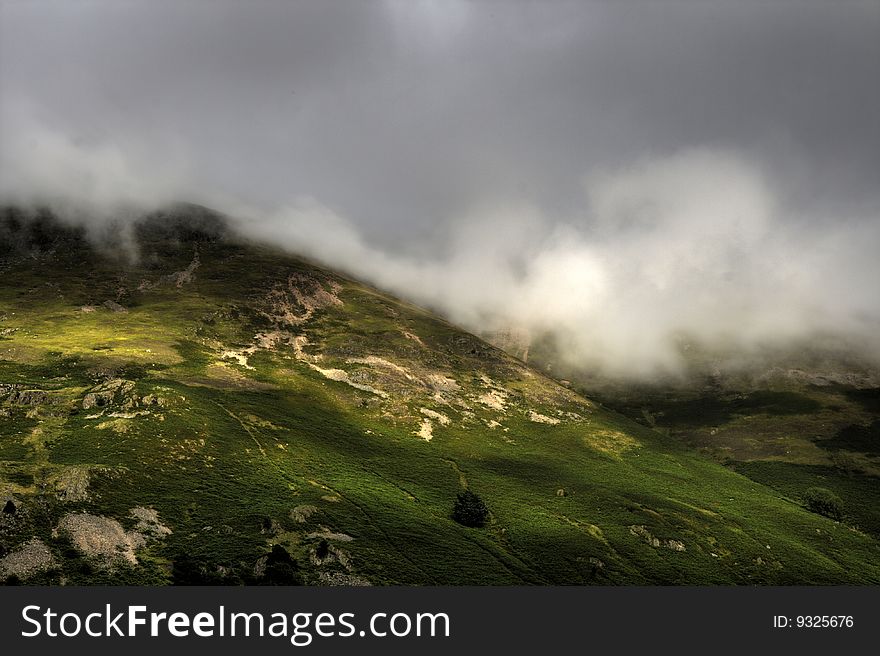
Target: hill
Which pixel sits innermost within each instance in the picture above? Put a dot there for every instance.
(794, 418)
(178, 405)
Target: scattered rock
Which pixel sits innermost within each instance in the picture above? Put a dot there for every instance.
(129, 415)
(148, 522)
(30, 558)
(341, 579)
(425, 430)
(238, 356)
(113, 306)
(7, 388)
(382, 362)
(338, 375)
(649, 538)
(438, 416)
(72, 484)
(415, 338)
(28, 397)
(542, 419)
(645, 534)
(301, 513)
(326, 534)
(441, 383)
(116, 390)
(101, 538)
(116, 425)
(96, 399)
(494, 399)
(325, 553)
(297, 301)
(269, 527)
(180, 278)
(342, 377)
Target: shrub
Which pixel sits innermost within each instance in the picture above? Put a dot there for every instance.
(187, 570)
(470, 510)
(824, 502)
(281, 568)
(190, 570)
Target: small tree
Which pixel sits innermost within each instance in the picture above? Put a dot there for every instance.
(823, 501)
(470, 510)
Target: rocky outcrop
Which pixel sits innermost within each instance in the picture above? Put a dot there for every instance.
(28, 397)
(650, 539)
(111, 392)
(295, 302)
(105, 541)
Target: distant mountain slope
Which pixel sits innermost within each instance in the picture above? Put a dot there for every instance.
(172, 418)
(791, 417)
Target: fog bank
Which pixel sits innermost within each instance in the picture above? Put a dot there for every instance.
(622, 176)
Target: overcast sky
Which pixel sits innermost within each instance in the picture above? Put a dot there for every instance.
(410, 131)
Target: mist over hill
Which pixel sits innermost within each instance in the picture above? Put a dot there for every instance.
(649, 276)
(216, 411)
(618, 182)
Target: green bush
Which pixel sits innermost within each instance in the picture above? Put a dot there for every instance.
(470, 510)
(824, 502)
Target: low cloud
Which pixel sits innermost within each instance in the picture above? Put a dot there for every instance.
(694, 246)
(621, 180)
(690, 247)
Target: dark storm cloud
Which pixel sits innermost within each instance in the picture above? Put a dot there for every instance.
(616, 172)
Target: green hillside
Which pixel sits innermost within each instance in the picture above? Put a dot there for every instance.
(794, 419)
(178, 405)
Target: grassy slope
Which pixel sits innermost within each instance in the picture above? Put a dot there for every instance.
(806, 418)
(237, 446)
